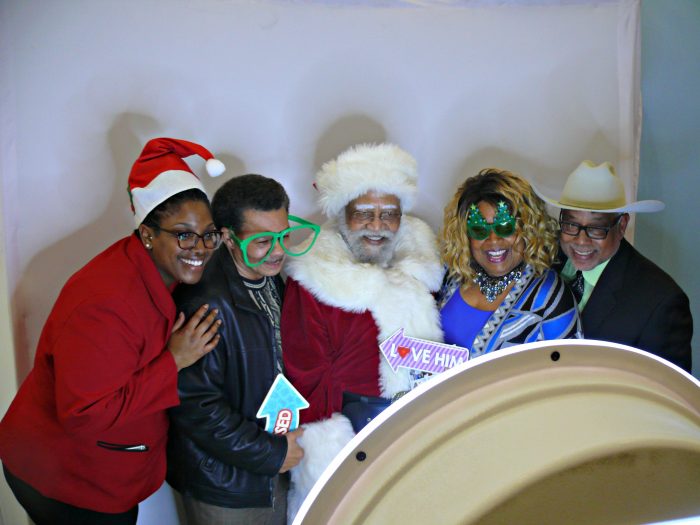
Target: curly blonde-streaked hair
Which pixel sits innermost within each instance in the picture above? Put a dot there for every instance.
(537, 229)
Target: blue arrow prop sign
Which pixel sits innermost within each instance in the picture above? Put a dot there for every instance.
(418, 354)
(281, 407)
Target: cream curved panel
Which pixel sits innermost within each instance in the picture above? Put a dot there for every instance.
(575, 432)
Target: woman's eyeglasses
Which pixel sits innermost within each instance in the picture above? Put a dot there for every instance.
(189, 240)
(503, 224)
(264, 242)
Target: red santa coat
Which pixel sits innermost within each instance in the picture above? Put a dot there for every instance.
(336, 312)
(325, 361)
(88, 426)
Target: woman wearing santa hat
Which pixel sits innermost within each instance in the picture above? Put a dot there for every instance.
(84, 439)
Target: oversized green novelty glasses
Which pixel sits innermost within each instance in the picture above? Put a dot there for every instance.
(259, 246)
(503, 223)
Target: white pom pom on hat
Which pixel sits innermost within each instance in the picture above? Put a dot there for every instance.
(384, 168)
(215, 167)
(159, 173)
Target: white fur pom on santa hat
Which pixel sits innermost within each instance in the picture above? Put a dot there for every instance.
(384, 168)
(159, 173)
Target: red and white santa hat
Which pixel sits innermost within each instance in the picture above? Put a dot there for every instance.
(159, 173)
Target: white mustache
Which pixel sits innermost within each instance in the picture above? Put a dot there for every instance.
(381, 234)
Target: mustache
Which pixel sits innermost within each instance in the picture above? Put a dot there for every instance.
(366, 232)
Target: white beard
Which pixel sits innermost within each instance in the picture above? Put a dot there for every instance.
(366, 253)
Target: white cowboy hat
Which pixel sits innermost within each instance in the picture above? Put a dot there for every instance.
(598, 189)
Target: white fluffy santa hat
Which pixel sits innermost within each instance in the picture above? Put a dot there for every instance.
(159, 173)
(384, 168)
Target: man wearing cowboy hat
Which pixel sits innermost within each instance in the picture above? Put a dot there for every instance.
(623, 296)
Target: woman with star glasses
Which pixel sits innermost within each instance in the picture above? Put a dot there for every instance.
(498, 244)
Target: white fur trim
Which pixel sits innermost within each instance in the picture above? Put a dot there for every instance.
(160, 189)
(384, 168)
(398, 296)
(322, 441)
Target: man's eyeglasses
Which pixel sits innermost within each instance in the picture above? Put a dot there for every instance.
(593, 232)
(264, 242)
(189, 240)
(386, 216)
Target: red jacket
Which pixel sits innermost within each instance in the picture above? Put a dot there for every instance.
(100, 385)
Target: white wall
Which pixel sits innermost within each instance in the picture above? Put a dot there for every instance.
(10, 511)
(279, 87)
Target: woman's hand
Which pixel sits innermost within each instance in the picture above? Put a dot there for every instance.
(193, 339)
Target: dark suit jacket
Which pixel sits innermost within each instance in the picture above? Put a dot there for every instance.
(638, 304)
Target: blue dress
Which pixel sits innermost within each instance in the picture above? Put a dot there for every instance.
(537, 308)
(461, 322)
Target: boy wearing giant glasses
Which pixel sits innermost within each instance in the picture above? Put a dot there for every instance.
(623, 296)
(220, 458)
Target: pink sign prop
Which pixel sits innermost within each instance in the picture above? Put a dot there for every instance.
(418, 354)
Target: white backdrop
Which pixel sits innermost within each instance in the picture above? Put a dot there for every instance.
(278, 88)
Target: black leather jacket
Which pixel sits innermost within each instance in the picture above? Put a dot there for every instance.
(218, 452)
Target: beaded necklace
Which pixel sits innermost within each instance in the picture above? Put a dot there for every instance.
(492, 287)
